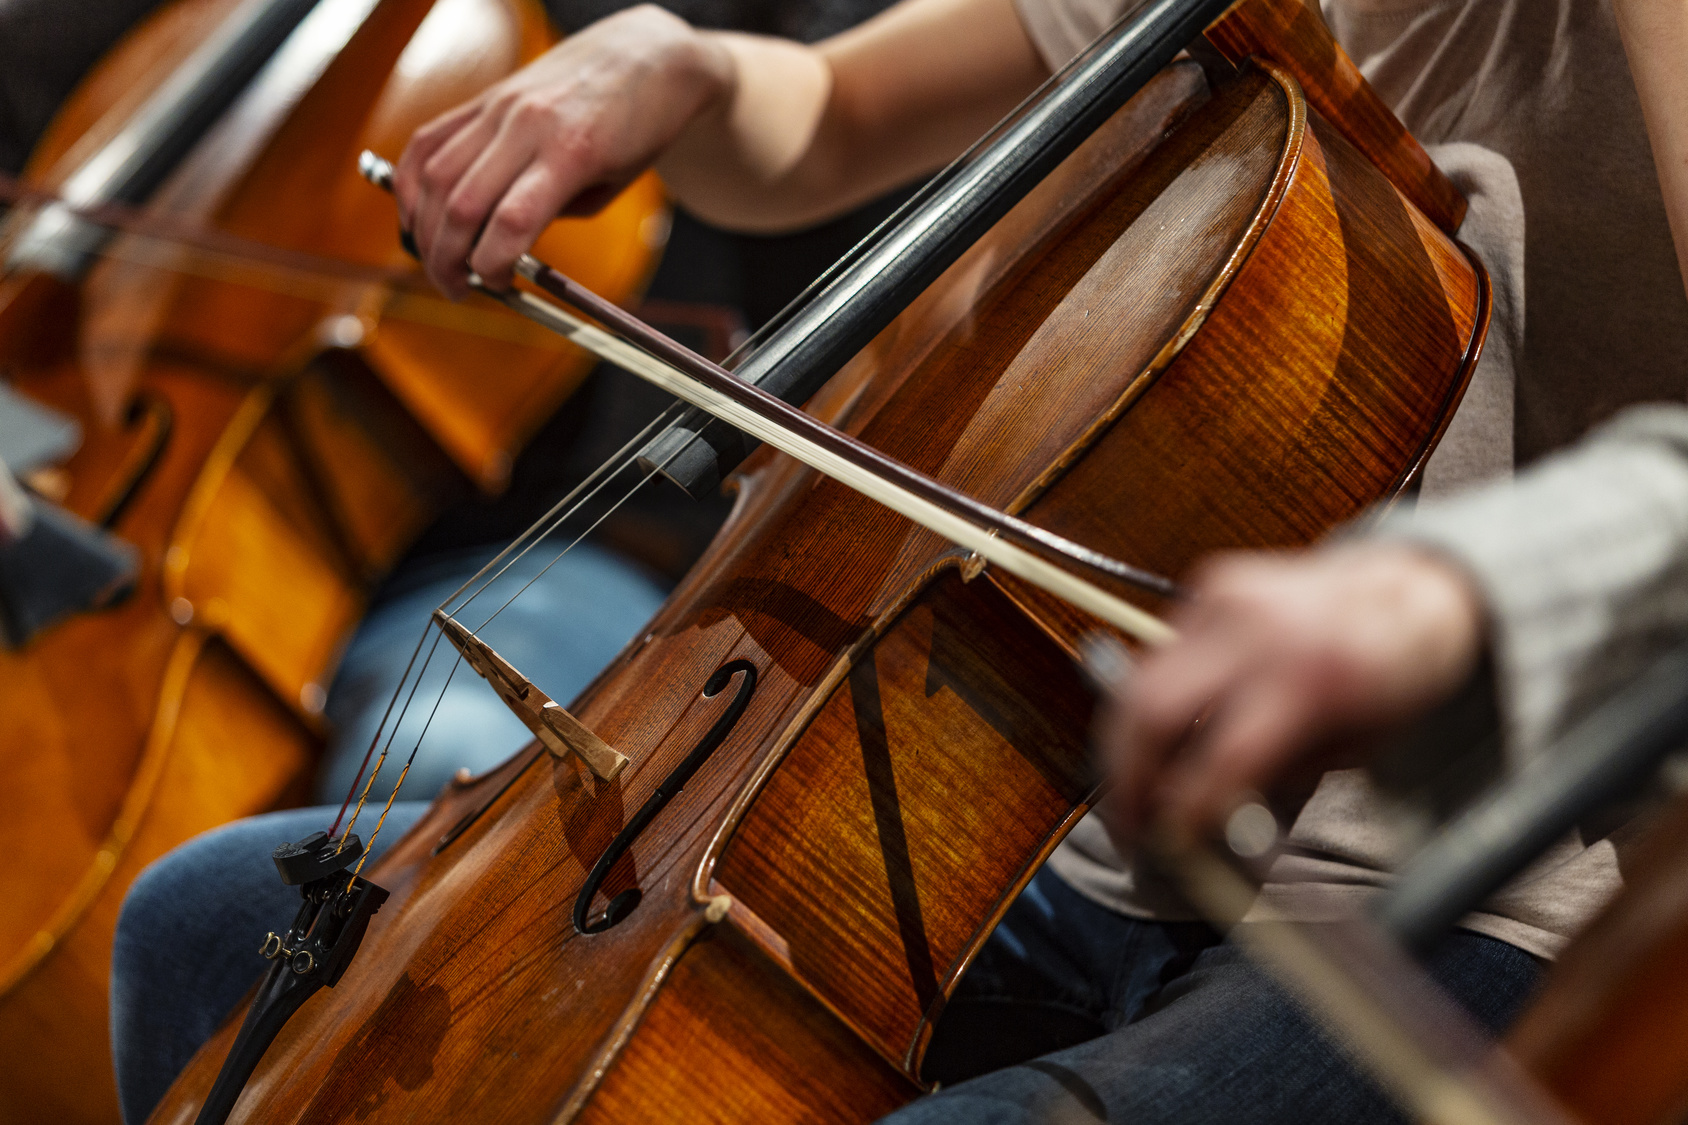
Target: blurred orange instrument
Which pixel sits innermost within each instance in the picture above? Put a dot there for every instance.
(268, 440)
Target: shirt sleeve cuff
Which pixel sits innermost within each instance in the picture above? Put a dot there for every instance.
(1582, 564)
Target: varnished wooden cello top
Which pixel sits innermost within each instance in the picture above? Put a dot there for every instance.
(912, 744)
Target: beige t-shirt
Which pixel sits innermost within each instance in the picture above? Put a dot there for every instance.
(1529, 105)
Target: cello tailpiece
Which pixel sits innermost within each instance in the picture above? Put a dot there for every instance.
(313, 954)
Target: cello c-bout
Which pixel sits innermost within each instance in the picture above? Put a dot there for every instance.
(1217, 324)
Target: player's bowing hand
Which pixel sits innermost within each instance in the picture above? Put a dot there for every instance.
(478, 184)
(1285, 665)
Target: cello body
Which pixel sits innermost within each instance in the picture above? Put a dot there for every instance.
(1217, 324)
(1606, 1033)
(270, 442)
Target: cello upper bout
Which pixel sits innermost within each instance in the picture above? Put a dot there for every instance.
(1291, 34)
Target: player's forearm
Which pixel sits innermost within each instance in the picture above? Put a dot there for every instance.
(809, 132)
(746, 164)
(1655, 35)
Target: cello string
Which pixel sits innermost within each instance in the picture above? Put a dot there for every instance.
(603, 474)
(334, 830)
(574, 501)
(399, 784)
(403, 773)
(614, 327)
(559, 513)
(555, 515)
(593, 526)
(387, 747)
(761, 416)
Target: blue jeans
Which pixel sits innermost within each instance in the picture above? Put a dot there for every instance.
(186, 949)
(1084, 1015)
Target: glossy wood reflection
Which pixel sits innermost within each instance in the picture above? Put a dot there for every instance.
(1200, 270)
(945, 757)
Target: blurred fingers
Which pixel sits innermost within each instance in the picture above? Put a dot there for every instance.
(532, 201)
(1242, 748)
(424, 143)
(1159, 712)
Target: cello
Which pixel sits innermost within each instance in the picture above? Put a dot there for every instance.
(848, 743)
(267, 441)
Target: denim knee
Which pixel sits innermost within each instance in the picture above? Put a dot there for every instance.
(186, 946)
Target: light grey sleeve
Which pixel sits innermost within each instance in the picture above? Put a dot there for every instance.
(1583, 564)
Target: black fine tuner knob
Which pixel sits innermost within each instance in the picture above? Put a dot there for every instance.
(315, 856)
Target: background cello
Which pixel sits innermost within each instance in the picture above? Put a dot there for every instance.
(907, 734)
(270, 442)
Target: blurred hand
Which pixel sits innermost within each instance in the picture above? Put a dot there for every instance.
(1285, 665)
(478, 184)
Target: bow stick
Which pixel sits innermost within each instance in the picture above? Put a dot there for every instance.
(993, 535)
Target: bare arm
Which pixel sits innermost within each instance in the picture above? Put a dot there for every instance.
(903, 93)
(750, 132)
(1655, 35)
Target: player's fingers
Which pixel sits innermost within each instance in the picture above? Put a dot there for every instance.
(537, 196)
(455, 227)
(1166, 698)
(1261, 728)
(424, 143)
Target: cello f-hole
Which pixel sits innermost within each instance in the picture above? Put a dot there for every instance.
(148, 421)
(624, 903)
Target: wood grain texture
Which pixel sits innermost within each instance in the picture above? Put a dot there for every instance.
(1305, 396)
(944, 759)
(1292, 35)
(914, 744)
(727, 1011)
